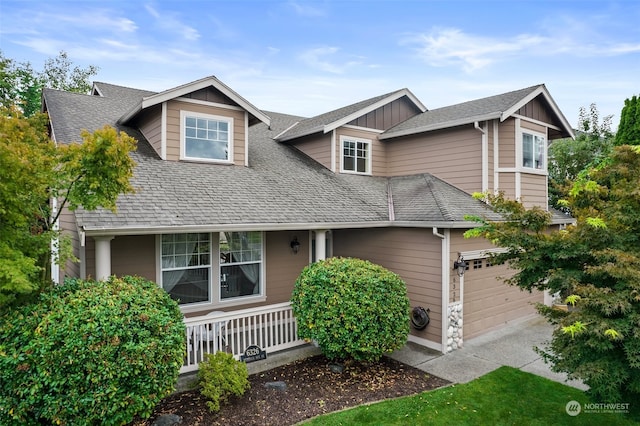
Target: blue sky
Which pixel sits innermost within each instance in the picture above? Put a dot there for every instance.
(308, 57)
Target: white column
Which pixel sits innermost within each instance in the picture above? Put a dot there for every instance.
(321, 245)
(103, 257)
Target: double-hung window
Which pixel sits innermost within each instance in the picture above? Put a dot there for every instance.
(356, 155)
(533, 151)
(206, 137)
(192, 274)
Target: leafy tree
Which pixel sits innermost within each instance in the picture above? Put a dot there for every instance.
(353, 308)
(21, 85)
(568, 157)
(34, 170)
(629, 127)
(596, 261)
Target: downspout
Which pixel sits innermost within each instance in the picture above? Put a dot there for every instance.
(485, 156)
(445, 238)
(392, 213)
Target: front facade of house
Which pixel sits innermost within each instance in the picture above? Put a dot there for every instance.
(233, 202)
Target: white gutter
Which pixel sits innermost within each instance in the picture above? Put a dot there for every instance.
(485, 155)
(444, 299)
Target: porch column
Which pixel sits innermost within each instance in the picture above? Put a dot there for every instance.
(321, 244)
(103, 257)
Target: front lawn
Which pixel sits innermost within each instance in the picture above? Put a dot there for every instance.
(506, 396)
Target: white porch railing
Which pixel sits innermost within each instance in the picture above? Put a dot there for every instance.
(272, 328)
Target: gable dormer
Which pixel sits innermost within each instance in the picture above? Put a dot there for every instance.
(346, 140)
(203, 121)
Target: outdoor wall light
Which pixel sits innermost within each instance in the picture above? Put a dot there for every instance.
(460, 265)
(295, 245)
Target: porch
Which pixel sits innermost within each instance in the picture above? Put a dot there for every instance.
(272, 328)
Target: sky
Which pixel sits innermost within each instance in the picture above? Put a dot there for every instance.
(309, 57)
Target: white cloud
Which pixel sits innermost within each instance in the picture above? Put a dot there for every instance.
(305, 9)
(172, 24)
(316, 58)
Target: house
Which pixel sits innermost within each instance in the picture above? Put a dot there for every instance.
(232, 202)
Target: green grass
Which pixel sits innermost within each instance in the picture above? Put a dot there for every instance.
(506, 396)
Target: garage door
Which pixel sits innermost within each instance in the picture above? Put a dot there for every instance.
(488, 302)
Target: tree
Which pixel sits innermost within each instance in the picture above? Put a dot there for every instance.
(568, 157)
(90, 174)
(629, 127)
(596, 261)
(21, 85)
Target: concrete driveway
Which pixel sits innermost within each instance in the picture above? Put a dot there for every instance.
(510, 345)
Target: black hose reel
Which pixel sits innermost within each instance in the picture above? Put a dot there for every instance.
(420, 317)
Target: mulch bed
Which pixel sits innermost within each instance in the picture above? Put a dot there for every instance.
(312, 389)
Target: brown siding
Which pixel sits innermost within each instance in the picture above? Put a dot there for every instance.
(491, 147)
(414, 254)
(507, 184)
(388, 115)
(134, 255)
(209, 94)
(507, 143)
(533, 190)
(537, 109)
(318, 147)
(282, 266)
(90, 257)
(378, 149)
(173, 128)
(453, 155)
(150, 124)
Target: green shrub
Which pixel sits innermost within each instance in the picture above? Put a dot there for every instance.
(90, 353)
(352, 308)
(221, 376)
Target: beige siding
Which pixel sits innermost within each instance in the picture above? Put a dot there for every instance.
(174, 126)
(378, 149)
(534, 190)
(491, 147)
(388, 115)
(507, 184)
(524, 124)
(507, 143)
(318, 147)
(134, 255)
(69, 230)
(453, 155)
(282, 266)
(150, 124)
(414, 254)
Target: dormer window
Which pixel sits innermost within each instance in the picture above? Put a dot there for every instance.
(533, 151)
(206, 137)
(356, 155)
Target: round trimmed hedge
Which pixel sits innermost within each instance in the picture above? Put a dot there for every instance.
(90, 353)
(352, 308)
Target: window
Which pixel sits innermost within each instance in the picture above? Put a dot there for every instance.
(190, 273)
(356, 155)
(240, 264)
(186, 267)
(206, 137)
(533, 151)
(477, 263)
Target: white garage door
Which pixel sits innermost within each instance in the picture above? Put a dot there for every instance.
(488, 302)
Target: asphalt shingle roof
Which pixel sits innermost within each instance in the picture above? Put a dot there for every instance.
(280, 186)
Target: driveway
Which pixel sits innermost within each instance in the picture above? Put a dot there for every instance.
(510, 345)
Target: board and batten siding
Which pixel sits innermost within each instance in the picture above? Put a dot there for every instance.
(454, 155)
(387, 115)
(174, 127)
(378, 149)
(414, 254)
(316, 146)
(537, 110)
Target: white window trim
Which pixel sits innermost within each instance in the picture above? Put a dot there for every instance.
(520, 153)
(215, 300)
(228, 120)
(369, 142)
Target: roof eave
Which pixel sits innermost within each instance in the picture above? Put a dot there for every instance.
(439, 126)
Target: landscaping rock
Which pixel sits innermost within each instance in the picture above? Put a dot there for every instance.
(279, 385)
(168, 420)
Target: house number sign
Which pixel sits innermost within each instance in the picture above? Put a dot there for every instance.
(253, 353)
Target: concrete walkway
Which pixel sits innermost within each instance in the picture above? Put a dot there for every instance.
(510, 345)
